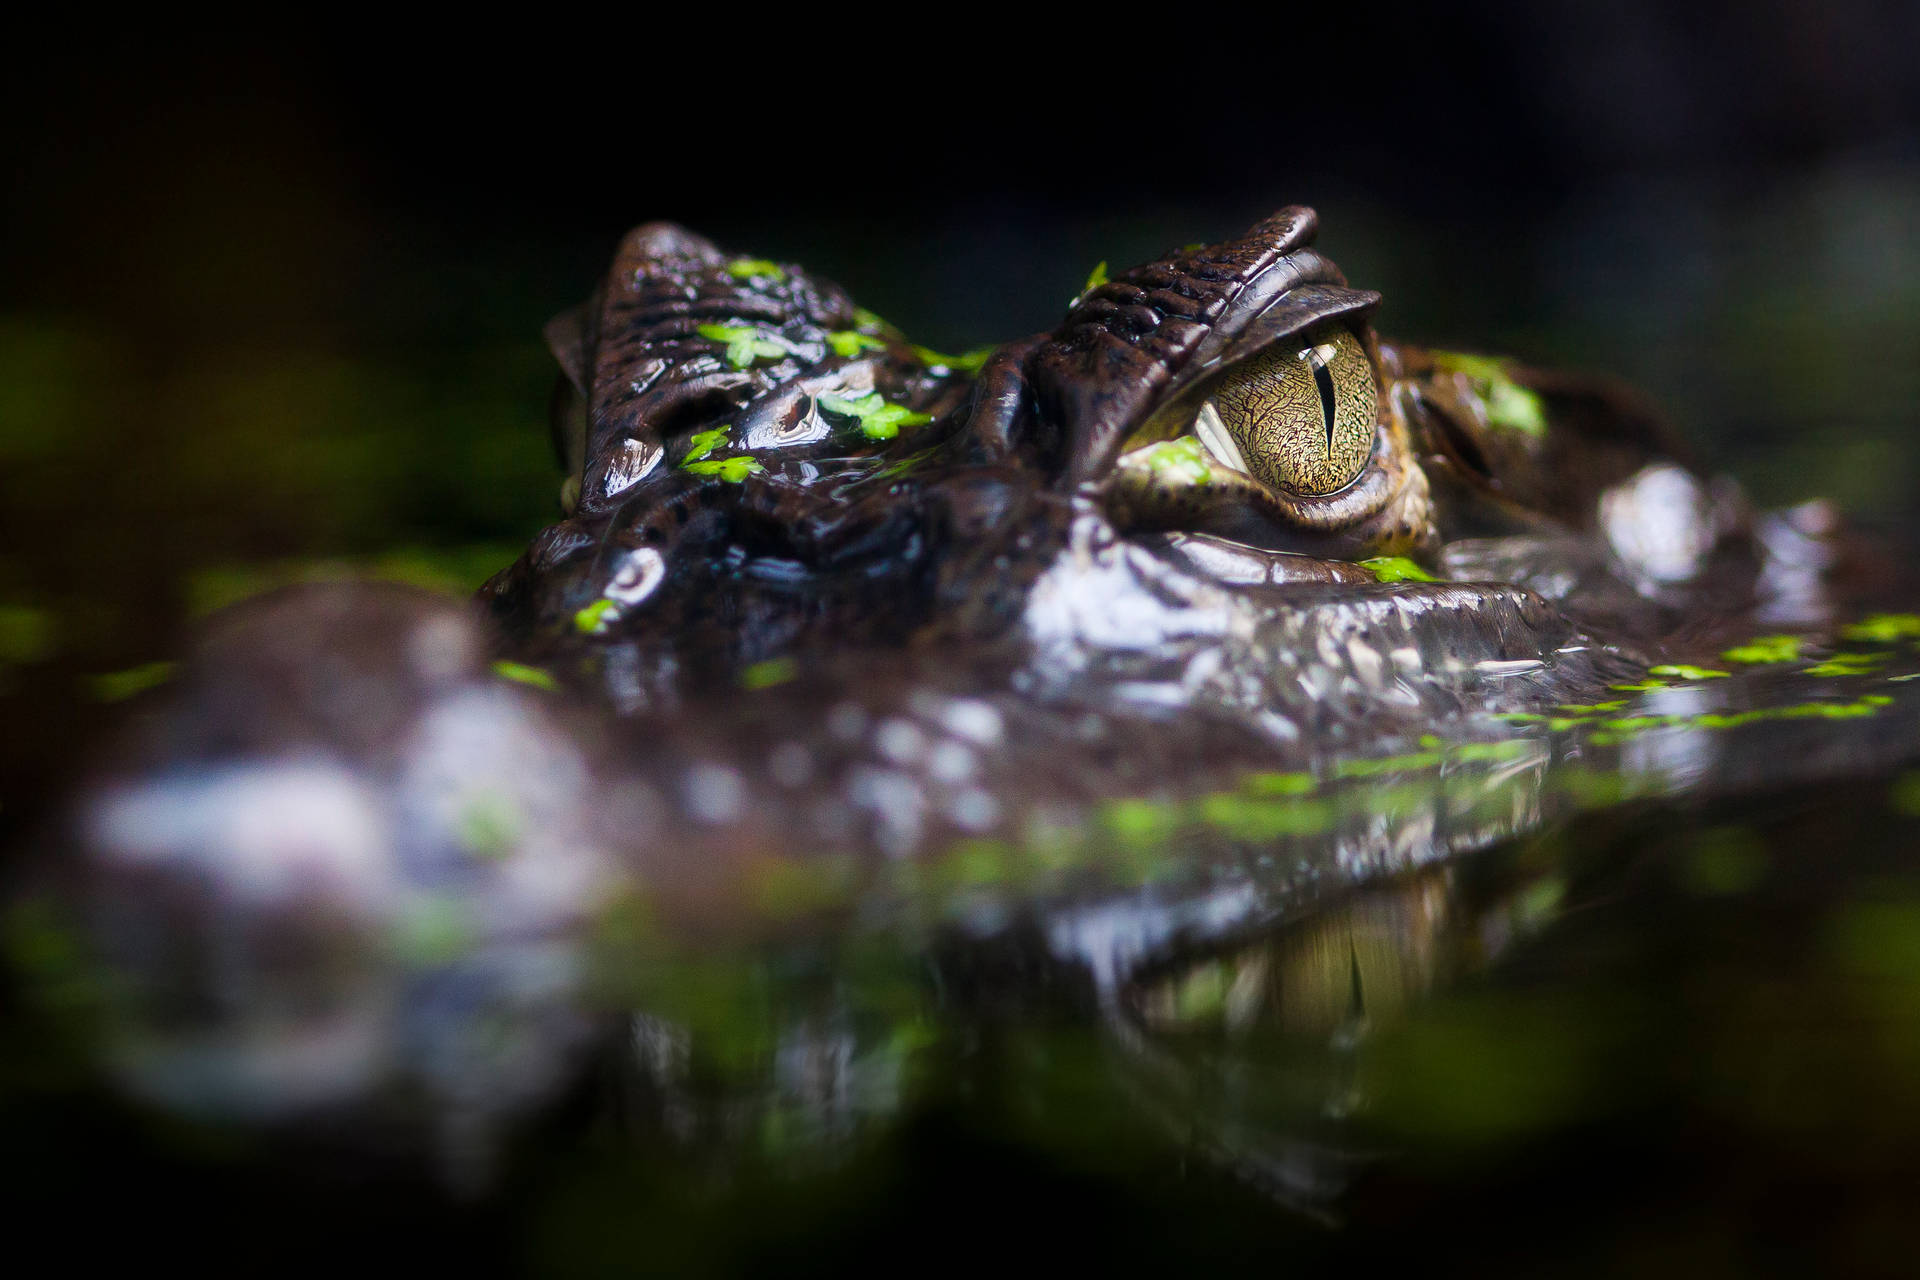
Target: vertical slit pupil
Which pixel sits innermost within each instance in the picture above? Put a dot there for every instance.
(1316, 356)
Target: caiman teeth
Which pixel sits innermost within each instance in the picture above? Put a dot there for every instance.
(1218, 441)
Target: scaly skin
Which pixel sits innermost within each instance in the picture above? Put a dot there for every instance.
(837, 622)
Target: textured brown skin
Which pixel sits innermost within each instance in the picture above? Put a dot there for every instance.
(936, 533)
(1131, 343)
(1602, 432)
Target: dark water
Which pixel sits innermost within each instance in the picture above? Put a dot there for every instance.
(1659, 1013)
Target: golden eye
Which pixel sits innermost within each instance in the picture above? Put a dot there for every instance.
(1301, 413)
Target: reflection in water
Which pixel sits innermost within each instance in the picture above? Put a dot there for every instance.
(1263, 974)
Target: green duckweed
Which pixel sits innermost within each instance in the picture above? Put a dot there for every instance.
(754, 269)
(732, 470)
(595, 617)
(1885, 628)
(1682, 671)
(744, 345)
(1847, 664)
(1396, 569)
(1766, 649)
(1095, 278)
(851, 342)
(1182, 461)
(1508, 404)
(1279, 784)
(1378, 766)
(1245, 818)
(521, 673)
(878, 420)
(1138, 821)
(965, 362)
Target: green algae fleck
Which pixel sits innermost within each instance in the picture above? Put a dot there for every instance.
(1243, 818)
(851, 342)
(1138, 821)
(1182, 461)
(1508, 404)
(702, 443)
(965, 362)
(1683, 671)
(744, 345)
(1847, 664)
(767, 674)
(1766, 649)
(755, 269)
(595, 618)
(732, 470)
(1412, 762)
(878, 420)
(1885, 628)
(1492, 752)
(1095, 278)
(1396, 569)
(521, 673)
(1279, 784)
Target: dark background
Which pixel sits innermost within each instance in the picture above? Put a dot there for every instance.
(275, 297)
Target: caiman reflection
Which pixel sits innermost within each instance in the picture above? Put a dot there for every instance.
(1110, 649)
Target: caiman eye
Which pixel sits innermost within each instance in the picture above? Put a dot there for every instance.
(1300, 414)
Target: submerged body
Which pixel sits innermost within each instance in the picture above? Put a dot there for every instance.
(1136, 638)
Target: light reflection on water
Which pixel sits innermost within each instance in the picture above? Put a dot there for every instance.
(1381, 970)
